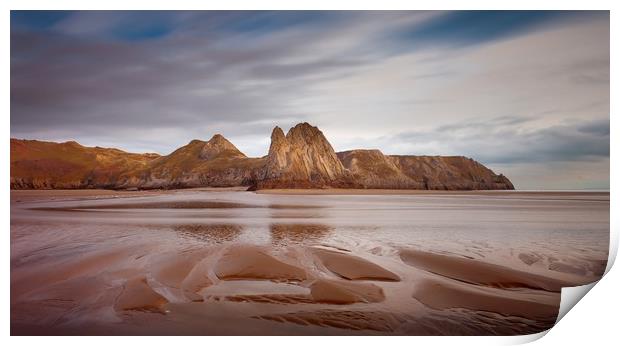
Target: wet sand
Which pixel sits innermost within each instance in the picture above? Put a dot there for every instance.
(329, 191)
(220, 262)
(84, 194)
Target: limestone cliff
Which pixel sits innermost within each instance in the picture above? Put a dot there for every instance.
(215, 163)
(377, 171)
(373, 170)
(303, 158)
(219, 147)
(69, 165)
(450, 173)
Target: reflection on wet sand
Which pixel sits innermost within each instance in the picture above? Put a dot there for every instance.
(294, 206)
(157, 205)
(285, 234)
(197, 204)
(239, 263)
(209, 233)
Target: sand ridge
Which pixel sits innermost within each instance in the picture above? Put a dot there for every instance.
(138, 295)
(482, 273)
(250, 262)
(359, 282)
(353, 267)
(190, 272)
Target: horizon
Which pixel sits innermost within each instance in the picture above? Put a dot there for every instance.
(337, 151)
(526, 93)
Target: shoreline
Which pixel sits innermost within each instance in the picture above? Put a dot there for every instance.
(422, 192)
(20, 196)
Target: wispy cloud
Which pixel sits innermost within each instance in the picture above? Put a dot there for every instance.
(512, 140)
(524, 87)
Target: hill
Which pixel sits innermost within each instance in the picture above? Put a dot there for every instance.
(303, 158)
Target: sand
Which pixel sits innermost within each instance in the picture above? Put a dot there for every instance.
(352, 267)
(338, 292)
(486, 274)
(392, 192)
(138, 295)
(239, 263)
(248, 262)
(18, 196)
(439, 293)
(187, 278)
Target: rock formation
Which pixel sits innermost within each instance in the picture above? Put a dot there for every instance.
(218, 147)
(303, 158)
(450, 173)
(69, 165)
(377, 171)
(373, 170)
(216, 163)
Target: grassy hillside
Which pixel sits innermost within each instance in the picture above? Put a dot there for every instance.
(39, 164)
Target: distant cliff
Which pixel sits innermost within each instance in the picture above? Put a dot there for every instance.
(303, 158)
(374, 170)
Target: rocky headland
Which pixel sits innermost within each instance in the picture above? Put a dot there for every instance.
(302, 158)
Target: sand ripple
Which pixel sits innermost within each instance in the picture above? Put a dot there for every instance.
(265, 265)
(352, 320)
(480, 273)
(251, 262)
(138, 295)
(352, 267)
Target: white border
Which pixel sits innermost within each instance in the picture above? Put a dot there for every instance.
(595, 317)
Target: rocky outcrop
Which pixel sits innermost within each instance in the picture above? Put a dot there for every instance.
(48, 165)
(219, 147)
(303, 158)
(69, 165)
(374, 170)
(215, 163)
(450, 173)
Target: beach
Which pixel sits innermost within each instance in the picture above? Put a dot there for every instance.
(299, 262)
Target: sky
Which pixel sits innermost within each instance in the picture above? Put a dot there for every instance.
(524, 92)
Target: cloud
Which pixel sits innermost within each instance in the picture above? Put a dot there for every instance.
(510, 140)
(25, 20)
(502, 87)
(463, 28)
(570, 175)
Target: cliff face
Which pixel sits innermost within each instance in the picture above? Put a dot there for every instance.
(48, 165)
(303, 158)
(373, 170)
(220, 147)
(69, 165)
(216, 163)
(450, 173)
(377, 171)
